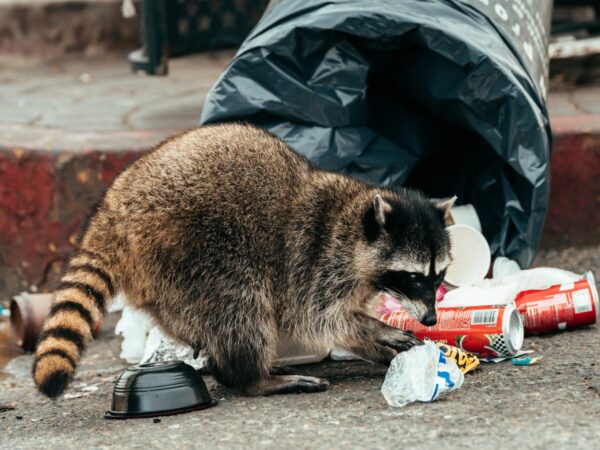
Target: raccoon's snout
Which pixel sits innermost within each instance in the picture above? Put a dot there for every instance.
(429, 319)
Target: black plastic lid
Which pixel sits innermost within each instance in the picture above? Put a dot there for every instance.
(158, 389)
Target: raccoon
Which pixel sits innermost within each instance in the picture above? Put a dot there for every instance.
(231, 240)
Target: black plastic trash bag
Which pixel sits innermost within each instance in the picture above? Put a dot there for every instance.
(444, 95)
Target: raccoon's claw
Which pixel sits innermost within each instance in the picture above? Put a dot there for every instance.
(415, 339)
(401, 341)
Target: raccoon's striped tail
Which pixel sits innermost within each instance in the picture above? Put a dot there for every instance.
(78, 307)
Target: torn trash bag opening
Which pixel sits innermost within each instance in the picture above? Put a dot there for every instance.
(438, 95)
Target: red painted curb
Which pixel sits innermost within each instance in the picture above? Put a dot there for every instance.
(575, 176)
(43, 198)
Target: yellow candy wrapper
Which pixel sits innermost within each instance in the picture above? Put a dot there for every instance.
(465, 361)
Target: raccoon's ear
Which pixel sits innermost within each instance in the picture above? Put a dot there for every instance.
(381, 208)
(375, 217)
(444, 205)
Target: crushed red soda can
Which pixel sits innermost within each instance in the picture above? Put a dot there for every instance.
(559, 307)
(488, 331)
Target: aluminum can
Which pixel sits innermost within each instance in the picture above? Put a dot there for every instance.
(488, 331)
(561, 307)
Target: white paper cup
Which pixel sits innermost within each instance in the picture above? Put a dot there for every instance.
(465, 215)
(471, 256)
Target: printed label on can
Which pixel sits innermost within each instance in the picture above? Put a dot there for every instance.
(582, 301)
(484, 317)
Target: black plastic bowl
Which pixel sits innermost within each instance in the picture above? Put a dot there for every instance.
(158, 389)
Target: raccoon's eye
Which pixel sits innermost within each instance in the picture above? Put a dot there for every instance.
(414, 276)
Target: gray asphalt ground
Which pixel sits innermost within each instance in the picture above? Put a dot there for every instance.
(554, 404)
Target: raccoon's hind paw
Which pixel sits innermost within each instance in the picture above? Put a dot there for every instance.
(299, 384)
(399, 340)
(288, 384)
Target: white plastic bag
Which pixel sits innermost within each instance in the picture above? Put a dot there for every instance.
(537, 278)
(504, 266)
(502, 291)
(477, 295)
(422, 373)
(134, 326)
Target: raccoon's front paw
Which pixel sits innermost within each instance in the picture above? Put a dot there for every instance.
(399, 340)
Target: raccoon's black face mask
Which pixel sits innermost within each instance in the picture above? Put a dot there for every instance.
(408, 235)
(414, 291)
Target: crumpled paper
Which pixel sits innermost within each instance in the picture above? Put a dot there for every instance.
(160, 347)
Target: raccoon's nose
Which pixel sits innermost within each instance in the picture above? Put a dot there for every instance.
(429, 319)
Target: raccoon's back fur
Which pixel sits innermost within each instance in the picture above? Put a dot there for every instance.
(228, 239)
